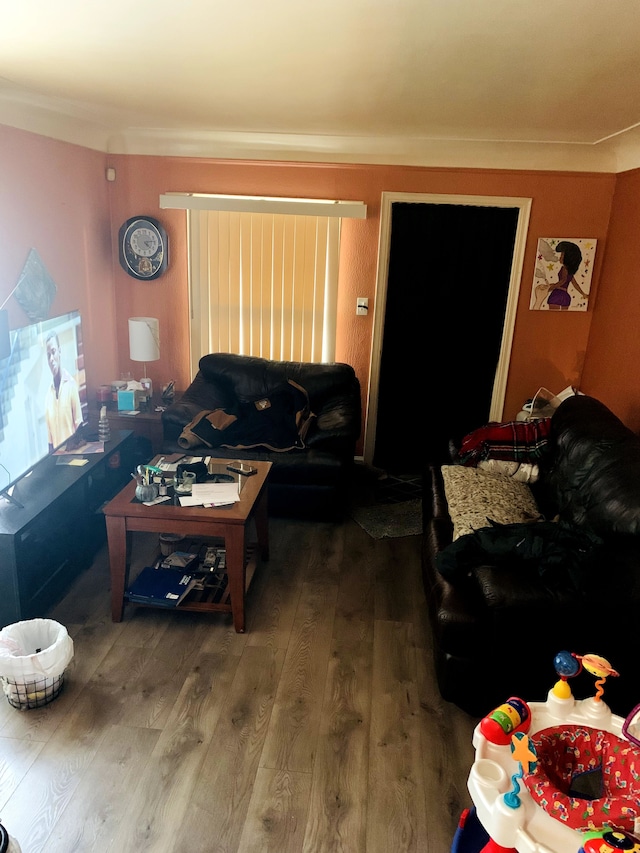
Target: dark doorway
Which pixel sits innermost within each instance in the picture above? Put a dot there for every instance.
(447, 288)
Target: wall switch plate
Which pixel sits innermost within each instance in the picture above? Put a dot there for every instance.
(362, 306)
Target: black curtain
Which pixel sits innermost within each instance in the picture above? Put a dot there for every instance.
(449, 270)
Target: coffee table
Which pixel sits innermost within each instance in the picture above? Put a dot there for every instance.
(124, 516)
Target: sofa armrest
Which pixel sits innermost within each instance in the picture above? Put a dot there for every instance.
(337, 424)
(204, 394)
(176, 417)
(595, 468)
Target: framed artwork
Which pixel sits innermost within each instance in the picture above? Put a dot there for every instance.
(35, 289)
(562, 277)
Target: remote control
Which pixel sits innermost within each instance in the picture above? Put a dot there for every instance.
(241, 468)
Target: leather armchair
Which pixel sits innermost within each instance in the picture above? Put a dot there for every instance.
(309, 481)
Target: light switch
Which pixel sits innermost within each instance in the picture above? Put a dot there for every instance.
(362, 306)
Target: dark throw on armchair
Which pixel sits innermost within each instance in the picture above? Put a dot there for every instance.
(304, 418)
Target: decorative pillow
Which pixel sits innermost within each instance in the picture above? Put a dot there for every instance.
(476, 498)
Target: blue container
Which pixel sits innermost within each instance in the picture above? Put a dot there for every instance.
(127, 401)
(470, 835)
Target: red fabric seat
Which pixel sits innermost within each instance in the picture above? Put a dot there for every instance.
(565, 752)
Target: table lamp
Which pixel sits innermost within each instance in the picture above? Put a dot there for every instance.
(144, 344)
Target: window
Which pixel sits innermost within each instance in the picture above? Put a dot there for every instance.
(263, 284)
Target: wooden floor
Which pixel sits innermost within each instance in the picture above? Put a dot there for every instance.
(320, 729)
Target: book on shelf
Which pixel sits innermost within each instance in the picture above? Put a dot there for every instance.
(161, 587)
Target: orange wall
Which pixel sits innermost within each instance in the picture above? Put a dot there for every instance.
(54, 196)
(548, 349)
(611, 365)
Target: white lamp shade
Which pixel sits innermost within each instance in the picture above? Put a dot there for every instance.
(144, 339)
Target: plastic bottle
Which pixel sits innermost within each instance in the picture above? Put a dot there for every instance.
(104, 430)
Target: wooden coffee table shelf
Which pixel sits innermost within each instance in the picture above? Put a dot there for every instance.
(125, 516)
(214, 598)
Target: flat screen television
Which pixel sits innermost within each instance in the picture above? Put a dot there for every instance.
(36, 418)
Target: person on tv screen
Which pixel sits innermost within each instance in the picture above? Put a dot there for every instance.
(63, 412)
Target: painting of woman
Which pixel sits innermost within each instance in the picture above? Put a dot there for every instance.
(556, 295)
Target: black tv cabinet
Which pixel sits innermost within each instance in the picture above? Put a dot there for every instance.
(53, 536)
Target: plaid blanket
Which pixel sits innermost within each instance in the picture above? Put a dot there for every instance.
(514, 441)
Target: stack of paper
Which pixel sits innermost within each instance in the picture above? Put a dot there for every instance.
(211, 494)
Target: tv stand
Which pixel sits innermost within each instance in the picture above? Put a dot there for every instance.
(51, 530)
(7, 495)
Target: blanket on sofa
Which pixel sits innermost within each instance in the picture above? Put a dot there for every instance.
(560, 553)
(278, 421)
(518, 441)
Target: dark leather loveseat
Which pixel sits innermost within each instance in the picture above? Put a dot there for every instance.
(498, 626)
(311, 477)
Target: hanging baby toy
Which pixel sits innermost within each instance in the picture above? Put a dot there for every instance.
(599, 667)
(567, 665)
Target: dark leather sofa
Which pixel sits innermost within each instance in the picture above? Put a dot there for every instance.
(498, 627)
(312, 480)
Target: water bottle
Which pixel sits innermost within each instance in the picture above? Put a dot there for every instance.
(104, 430)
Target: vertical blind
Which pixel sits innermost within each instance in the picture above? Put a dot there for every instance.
(263, 284)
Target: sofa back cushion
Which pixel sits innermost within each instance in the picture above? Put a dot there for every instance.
(250, 377)
(594, 474)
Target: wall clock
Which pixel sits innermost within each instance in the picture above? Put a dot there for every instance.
(144, 249)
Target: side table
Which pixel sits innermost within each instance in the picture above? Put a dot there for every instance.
(146, 423)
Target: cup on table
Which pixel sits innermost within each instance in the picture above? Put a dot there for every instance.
(147, 492)
(183, 483)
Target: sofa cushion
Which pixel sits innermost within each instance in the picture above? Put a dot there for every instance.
(567, 752)
(476, 498)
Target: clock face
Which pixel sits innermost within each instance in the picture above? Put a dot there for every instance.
(143, 248)
(144, 242)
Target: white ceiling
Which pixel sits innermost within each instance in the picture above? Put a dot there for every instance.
(550, 84)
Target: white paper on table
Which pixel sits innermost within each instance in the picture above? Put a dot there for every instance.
(211, 493)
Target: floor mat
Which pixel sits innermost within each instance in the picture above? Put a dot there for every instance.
(397, 487)
(390, 520)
